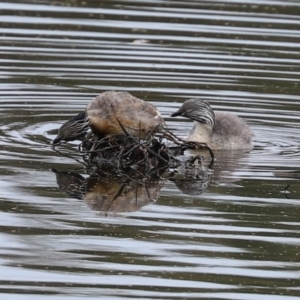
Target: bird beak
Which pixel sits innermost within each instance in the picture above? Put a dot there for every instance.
(175, 114)
(54, 143)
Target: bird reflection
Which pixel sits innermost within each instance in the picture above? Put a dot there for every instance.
(194, 178)
(129, 191)
(110, 193)
(194, 186)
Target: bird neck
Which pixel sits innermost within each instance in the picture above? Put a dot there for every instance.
(201, 132)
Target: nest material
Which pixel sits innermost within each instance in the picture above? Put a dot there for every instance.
(124, 151)
(121, 152)
(127, 173)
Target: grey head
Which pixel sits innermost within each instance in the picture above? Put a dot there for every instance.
(74, 129)
(197, 110)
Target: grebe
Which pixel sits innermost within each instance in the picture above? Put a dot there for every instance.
(220, 130)
(138, 117)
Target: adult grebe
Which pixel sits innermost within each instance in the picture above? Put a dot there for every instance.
(138, 117)
(220, 130)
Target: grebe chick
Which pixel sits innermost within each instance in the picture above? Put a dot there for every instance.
(220, 130)
(138, 117)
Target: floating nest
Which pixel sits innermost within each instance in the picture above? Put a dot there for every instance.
(123, 152)
(123, 173)
(127, 156)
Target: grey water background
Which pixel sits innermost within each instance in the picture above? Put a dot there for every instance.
(240, 238)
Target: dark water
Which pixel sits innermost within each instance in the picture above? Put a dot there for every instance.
(239, 239)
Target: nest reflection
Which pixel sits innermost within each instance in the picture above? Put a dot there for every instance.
(191, 177)
(111, 193)
(125, 173)
(108, 190)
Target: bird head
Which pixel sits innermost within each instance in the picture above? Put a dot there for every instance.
(74, 129)
(196, 110)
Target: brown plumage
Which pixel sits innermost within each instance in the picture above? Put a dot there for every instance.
(138, 117)
(109, 193)
(105, 113)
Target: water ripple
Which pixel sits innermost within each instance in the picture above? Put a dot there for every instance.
(233, 235)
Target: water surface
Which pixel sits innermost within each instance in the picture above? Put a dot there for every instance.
(234, 234)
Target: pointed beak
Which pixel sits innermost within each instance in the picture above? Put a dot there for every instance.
(175, 114)
(55, 142)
